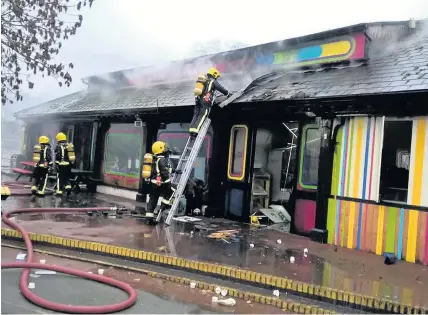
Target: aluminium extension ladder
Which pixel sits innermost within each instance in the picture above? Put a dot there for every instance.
(185, 165)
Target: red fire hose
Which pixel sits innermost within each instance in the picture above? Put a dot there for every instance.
(21, 189)
(23, 283)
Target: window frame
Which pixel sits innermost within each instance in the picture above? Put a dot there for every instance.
(305, 129)
(185, 134)
(122, 131)
(241, 175)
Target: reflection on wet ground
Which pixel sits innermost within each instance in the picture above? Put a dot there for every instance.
(254, 249)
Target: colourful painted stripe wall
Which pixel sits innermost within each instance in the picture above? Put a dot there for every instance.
(382, 229)
(356, 168)
(418, 172)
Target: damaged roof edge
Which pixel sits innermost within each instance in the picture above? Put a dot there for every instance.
(360, 27)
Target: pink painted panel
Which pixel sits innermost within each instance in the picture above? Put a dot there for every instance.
(304, 215)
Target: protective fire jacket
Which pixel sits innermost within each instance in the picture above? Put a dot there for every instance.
(45, 156)
(163, 170)
(216, 86)
(61, 154)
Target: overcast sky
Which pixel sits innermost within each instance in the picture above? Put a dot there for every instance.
(129, 33)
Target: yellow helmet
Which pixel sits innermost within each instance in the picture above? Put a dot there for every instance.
(159, 147)
(43, 140)
(61, 137)
(214, 72)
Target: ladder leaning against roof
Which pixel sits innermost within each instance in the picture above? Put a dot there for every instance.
(185, 166)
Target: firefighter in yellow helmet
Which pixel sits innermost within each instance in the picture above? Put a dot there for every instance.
(42, 158)
(64, 159)
(160, 180)
(204, 99)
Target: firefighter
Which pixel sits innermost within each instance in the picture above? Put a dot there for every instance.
(204, 90)
(42, 158)
(160, 180)
(64, 159)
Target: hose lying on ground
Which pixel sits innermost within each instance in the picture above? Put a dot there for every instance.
(21, 189)
(23, 283)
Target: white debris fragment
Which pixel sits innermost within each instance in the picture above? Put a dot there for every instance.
(305, 255)
(89, 271)
(214, 299)
(192, 285)
(42, 261)
(45, 272)
(100, 271)
(31, 285)
(279, 241)
(223, 292)
(305, 251)
(21, 256)
(227, 302)
(252, 245)
(276, 293)
(34, 276)
(292, 259)
(218, 290)
(249, 302)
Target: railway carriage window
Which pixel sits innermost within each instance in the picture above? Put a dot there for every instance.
(237, 152)
(176, 136)
(308, 177)
(123, 152)
(394, 174)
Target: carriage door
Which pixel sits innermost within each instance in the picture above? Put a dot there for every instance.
(237, 178)
(307, 179)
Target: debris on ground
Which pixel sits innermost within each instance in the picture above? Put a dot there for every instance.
(21, 256)
(390, 258)
(292, 259)
(226, 236)
(163, 248)
(276, 293)
(227, 302)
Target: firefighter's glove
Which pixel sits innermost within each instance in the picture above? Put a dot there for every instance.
(158, 180)
(178, 172)
(229, 95)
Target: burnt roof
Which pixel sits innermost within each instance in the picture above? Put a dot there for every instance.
(402, 68)
(391, 68)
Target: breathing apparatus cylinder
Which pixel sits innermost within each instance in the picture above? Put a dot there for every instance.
(36, 153)
(147, 166)
(200, 84)
(71, 153)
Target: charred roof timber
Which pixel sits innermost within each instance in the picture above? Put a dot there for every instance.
(346, 63)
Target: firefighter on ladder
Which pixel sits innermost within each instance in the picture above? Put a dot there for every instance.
(42, 158)
(157, 169)
(64, 159)
(204, 90)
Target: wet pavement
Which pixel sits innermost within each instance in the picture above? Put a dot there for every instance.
(323, 265)
(153, 295)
